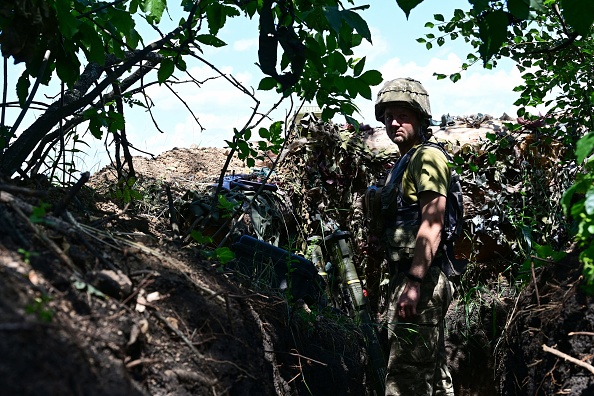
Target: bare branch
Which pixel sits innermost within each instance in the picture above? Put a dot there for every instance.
(41, 152)
(571, 359)
(74, 100)
(186, 106)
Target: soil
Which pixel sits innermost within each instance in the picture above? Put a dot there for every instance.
(112, 300)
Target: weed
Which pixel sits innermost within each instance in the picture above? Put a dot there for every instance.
(40, 308)
(27, 255)
(39, 212)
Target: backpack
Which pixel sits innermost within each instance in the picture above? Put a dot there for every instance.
(454, 215)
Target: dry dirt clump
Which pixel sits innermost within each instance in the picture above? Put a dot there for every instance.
(105, 300)
(179, 166)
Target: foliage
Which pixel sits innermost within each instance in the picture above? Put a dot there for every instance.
(27, 255)
(80, 284)
(506, 176)
(39, 212)
(578, 201)
(125, 190)
(227, 207)
(221, 254)
(40, 307)
(552, 43)
(94, 48)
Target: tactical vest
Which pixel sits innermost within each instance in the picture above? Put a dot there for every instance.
(401, 220)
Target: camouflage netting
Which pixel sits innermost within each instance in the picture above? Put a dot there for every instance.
(326, 174)
(512, 181)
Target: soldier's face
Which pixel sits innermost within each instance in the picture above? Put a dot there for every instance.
(402, 125)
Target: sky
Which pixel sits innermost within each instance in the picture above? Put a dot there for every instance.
(220, 107)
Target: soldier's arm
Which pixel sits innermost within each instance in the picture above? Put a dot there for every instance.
(433, 207)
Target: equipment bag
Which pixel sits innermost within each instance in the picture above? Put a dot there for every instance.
(411, 214)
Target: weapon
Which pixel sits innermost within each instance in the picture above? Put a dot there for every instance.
(340, 249)
(317, 282)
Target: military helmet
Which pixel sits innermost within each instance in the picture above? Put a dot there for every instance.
(406, 91)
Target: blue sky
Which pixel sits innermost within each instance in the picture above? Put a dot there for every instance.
(395, 52)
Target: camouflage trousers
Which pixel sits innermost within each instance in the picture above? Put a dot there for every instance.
(417, 362)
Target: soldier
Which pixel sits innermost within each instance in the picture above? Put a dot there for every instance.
(413, 206)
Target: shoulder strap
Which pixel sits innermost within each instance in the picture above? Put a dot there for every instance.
(399, 167)
(439, 146)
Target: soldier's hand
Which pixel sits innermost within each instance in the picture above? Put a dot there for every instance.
(407, 303)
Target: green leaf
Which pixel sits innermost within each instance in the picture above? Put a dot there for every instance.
(355, 21)
(96, 124)
(67, 67)
(331, 43)
(364, 90)
(121, 20)
(200, 238)
(359, 67)
(459, 14)
(154, 9)
(372, 77)
(408, 5)
(211, 40)
(22, 88)
(337, 62)
(537, 5)
(243, 149)
(584, 147)
(116, 121)
(334, 17)
(479, 5)
(67, 22)
(439, 76)
(493, 32)
(133, 7)
(439, 17)
(224, 255)
(579, 14)
(251, 7)
(93, 43)
(166, 69)
(350, 120)
(455, 77)
(519, 8)
(547, 251)
(215, 16)
(264, 133)
(181, 65)
(267, 83)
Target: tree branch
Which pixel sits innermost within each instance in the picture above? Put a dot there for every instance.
(571, 359)
(16, 154)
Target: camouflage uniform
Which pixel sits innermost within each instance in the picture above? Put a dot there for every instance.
(417, 361)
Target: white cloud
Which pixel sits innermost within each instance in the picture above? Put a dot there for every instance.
(373, 51)
(246, 44)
